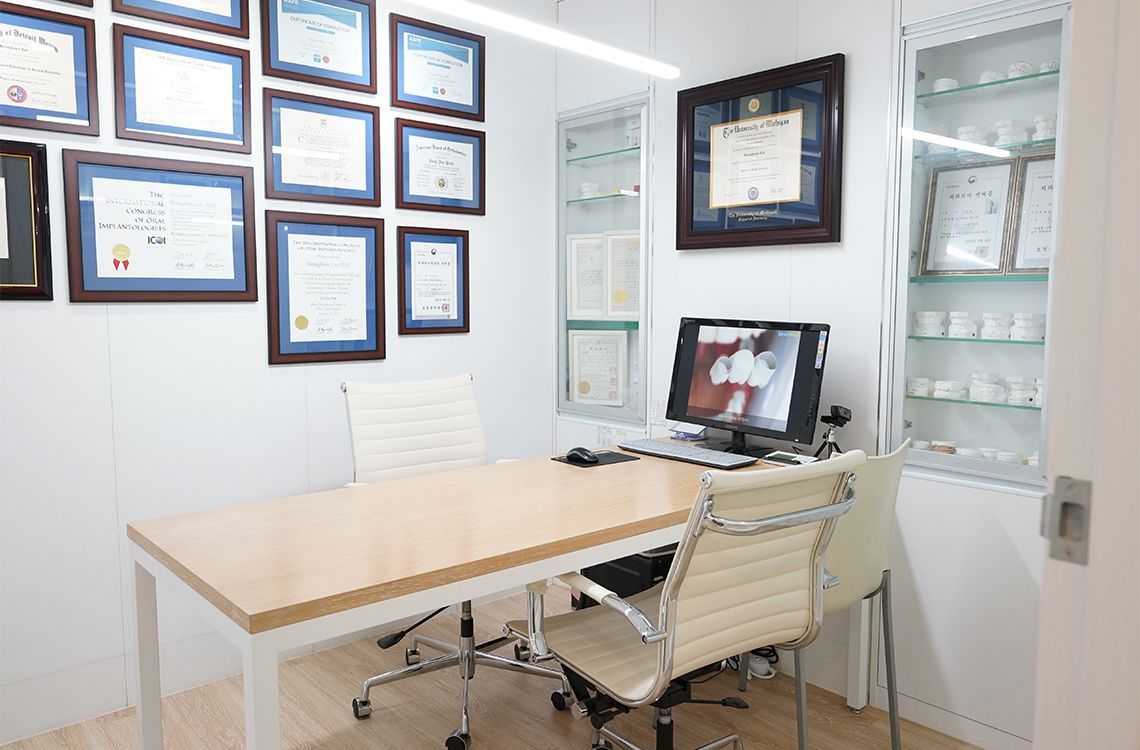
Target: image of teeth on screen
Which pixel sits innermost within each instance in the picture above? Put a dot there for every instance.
(744, 376)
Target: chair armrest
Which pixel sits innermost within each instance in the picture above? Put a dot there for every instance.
(830, 580)
(603, 596)
(785, 521)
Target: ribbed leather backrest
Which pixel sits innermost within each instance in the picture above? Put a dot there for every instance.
(407, 429)
(741, 592)
(860, 549)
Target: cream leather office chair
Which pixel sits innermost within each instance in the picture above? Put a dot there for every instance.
(407, 429)
(748, 572)
(860, 557)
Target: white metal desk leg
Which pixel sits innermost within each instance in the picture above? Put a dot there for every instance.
(149, 708)
(262, 713)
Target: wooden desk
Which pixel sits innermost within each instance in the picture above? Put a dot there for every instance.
(276, 575)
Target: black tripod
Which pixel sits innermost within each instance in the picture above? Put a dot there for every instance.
(839, 416)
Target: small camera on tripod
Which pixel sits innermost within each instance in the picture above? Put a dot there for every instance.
(840, 416)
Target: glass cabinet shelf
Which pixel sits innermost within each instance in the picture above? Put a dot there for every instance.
(1004, 87)
(632, 151)
(993, 404)
(995, 278)
(605, 197)
(602, 325)
(977, 341)
(957, 155)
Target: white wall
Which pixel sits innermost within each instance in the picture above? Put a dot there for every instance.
(114, 412)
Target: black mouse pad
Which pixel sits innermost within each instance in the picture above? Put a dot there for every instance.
(604, 457)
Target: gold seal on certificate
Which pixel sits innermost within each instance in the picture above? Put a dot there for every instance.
(756, 161)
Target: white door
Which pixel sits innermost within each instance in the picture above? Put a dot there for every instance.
(1088, 664)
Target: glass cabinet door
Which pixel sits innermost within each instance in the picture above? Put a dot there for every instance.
(602, 264)
(975, 237)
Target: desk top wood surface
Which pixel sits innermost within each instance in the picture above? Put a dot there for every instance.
(273, 563)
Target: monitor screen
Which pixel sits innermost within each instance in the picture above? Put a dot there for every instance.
(755, 377)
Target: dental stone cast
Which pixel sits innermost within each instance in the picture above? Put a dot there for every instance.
(743, 367)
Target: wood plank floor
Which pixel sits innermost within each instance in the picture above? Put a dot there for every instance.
(508, 711)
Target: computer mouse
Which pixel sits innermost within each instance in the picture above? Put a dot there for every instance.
(582, 456)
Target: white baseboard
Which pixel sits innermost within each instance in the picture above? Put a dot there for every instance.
(39, 704)
(958, 727)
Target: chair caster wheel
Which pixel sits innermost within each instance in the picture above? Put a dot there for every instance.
(561, 701)
(603, 745)
(361, 709)
(457, 741)
(522, 652)
(411, 656)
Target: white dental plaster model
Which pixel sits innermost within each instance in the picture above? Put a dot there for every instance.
(743, 367)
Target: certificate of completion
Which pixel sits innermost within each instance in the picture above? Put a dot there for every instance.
(756, 161)
(327, 288)
(183, 91)
(162, 231)
(434, 280)
(440, 168)
(1035, 230)
(966, 220)
(598, 367)
(437, 69)
(322, 36)
(322, 150)
(623, 275)
(37, 69)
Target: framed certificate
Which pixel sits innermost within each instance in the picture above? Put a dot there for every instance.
(439, 168)
(598, 367)
(158, 230)
(325, 283)
(329, 42)
(176, 91)
(585, 277)
(221, 16)
(437, 69)
(623, 275)
(25, 244)
(967, 218)
(1033, 221)
(48, 71)
(434, 282)
(745, 147)
(321, 150)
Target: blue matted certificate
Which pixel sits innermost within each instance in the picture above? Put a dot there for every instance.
(809, 98)
(330, 42)
(436, 68)
(181, 92)
(223, 16)
(325, 287)
(811, 192)
(47, 68)
(321, 150)
(434, 281)
(440, 168)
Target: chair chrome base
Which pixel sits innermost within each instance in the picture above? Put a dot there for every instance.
(466, 657)
(606, 739)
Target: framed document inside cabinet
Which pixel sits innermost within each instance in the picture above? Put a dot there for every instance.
(437, 69)
(967, 219)
(623, 275)
(25, 242)
(598, 367)
(325, 283)
(221, 16)
(440, 168)
(1033, 235)
(158, 230)
(585, 276)
(434, 281)
(48, 71)
(171, 90)
(321, 150)
(327, 42)
(760, 158)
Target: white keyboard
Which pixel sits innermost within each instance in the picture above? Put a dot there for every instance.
(690, 453)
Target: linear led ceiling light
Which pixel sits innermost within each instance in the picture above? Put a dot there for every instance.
(549, 35)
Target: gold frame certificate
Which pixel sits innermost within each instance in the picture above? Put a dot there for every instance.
(966, 219)
(598, 367)
(756, 161)
(1035, 236)
(623, 275)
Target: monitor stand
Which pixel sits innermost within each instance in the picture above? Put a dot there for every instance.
(737, 446)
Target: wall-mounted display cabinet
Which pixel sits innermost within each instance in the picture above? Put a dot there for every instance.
(602, 263)
(974, 234)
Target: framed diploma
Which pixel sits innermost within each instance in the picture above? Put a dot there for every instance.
(172, 90)
(759, 158)
(585, 277)
(221, 16)
(434, 282)
(321, 150)
(25, 245)
(1033, 221)
(967, 218)
(598, 367)
(440, 168)
(329, 42)
(325, 283)
(47, 71)
(158, 230)
(437, 69)
(623, 275)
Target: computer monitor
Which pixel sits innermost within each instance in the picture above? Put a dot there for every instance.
(749, 377)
